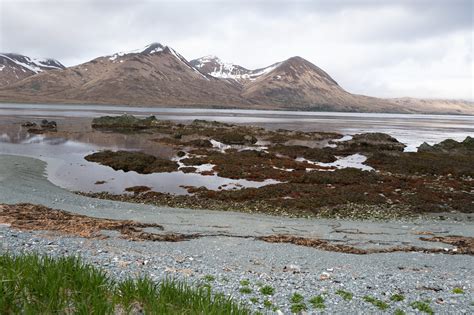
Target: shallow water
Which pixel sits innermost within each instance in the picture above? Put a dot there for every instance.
(67, 168)
(407, 128)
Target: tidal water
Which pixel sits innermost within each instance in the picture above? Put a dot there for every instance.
(66, 166)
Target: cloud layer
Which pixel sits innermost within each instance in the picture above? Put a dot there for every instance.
(381, 48)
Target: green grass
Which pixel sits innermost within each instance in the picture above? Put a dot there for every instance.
(209, 278)
(458, 291)
(31, 284)
(422, 307)
(397, 298)
(317, 302)
(244, 282)
(297, 308)
(254, 300)
(398, 312)
(381, 305)
(267, 304)
(267, 290)
(245, 290)
(345, 294)
(296, 298)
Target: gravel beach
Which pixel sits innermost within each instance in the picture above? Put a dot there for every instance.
(231, 255)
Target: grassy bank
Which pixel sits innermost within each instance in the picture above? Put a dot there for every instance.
(32, 284)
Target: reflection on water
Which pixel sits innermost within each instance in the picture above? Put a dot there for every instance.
(67, 168)
(408, 128)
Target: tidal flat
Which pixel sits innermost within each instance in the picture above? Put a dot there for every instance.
(353, 214)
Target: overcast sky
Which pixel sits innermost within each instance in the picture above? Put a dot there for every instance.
(388, 48)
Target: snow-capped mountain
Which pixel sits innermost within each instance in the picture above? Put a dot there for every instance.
(157, 75)
(217, 68)
(153, 49)
(153, 75)
(16, 67)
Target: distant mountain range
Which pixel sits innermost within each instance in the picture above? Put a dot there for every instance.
(157, 75)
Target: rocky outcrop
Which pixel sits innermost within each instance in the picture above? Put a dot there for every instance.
(449, 146)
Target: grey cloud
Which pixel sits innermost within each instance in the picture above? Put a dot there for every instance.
(341, 36)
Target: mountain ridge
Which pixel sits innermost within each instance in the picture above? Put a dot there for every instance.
(157, 75)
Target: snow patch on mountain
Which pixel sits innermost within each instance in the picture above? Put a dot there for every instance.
(35, 65)
(259, 72)
(217, 68)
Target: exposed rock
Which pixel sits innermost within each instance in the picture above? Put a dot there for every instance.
(188, 169)
(133, 161)
(44, 126)
(449, 146)
(236, 138)
(292, 268)
(49, 125)
(28, 124)
(124, 121)
(369, 142)
(200, 143)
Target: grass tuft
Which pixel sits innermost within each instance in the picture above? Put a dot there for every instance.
(422, 306)
(345, 294)
(297, 308)
(209, 278)
(268, 304)
(267, 290)
(296, 298)
(381, 305)
(317, 302)
(244, 282)
(458, 290)
(245, 290)
(397, 298)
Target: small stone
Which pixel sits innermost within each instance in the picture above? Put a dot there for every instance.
(292, 268)
(324, 276)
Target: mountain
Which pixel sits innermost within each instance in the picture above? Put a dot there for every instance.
(215, 67)
(294, 83)
(16, 67)
(157, 75)
(298, 84)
